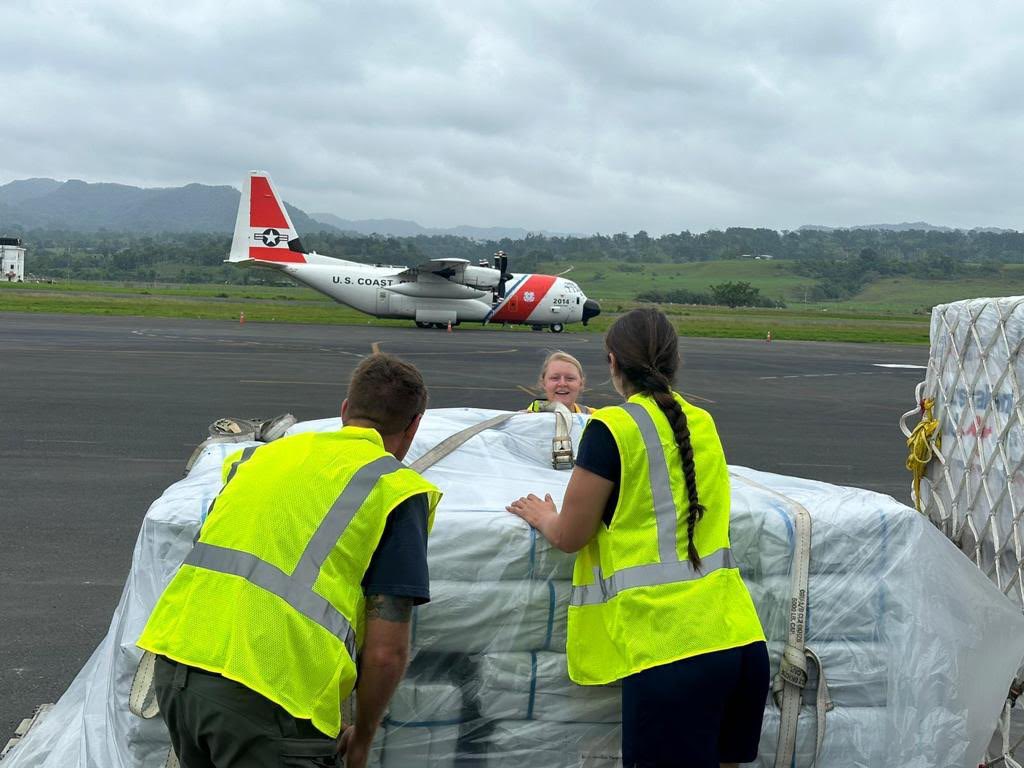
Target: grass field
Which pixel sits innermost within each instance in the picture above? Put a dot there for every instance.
(889, 310)
(615, 282)
(609, 284)
(301, 305)
(200, 290)
(903, 294)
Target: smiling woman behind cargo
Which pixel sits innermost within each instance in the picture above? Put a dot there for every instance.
(656, 600)
(562, 379)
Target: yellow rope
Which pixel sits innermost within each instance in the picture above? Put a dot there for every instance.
(920, 444)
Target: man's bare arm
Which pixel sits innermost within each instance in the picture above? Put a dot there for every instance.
(381, 668)
(395, 609)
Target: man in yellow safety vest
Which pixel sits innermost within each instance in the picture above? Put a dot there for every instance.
(305, 570)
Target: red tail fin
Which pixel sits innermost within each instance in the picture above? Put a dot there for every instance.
(263, 229)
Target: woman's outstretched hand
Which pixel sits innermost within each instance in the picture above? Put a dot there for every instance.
(533, 509)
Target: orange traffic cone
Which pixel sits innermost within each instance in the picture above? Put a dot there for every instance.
(768, 339)
(449, 326)
(241, 318)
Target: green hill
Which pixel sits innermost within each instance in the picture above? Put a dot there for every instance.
(622, 281)
(619, 283)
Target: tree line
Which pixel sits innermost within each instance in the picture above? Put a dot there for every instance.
(842, 259)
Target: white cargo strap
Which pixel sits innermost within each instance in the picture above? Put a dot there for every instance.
(789, 683)
(561, 444)
(450, 443)
(561, 449)
(142, 696)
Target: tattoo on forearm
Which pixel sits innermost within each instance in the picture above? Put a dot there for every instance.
(398, 609)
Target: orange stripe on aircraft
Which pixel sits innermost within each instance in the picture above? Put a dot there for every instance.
(263, 208)
(275, 254)
(516, 308)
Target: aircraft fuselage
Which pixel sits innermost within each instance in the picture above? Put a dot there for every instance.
(437, 292)
(532, 299)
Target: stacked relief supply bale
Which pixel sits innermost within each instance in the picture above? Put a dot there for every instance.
(890, 602)
(495, 629)
(973, 488)
(489, 672)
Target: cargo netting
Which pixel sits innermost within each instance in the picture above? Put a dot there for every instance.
(973, 487)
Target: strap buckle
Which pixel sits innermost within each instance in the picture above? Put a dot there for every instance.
(561, 453)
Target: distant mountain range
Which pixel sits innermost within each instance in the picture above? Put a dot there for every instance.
(78, 205)
(906, 226)
(404, 228)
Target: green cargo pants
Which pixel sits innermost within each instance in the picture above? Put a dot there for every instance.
(218, 723)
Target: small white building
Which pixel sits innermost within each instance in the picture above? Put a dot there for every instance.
(12, 260)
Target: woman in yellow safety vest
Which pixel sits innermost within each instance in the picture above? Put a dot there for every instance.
(562, 379)
(657, 602)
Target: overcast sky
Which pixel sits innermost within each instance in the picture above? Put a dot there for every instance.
(564, 116)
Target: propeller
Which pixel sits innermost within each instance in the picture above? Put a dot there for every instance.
(501, 264)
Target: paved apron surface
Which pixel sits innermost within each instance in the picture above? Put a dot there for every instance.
(98, 415)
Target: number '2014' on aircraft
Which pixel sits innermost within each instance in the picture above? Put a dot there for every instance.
(435, 293)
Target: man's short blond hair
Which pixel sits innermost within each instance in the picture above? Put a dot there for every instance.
(386, 391)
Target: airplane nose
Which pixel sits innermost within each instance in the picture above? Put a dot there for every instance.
(590, 309)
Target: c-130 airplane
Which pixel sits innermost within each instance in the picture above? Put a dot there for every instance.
(433, 294)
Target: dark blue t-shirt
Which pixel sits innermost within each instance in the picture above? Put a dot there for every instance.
(599, 454)
(399, 564)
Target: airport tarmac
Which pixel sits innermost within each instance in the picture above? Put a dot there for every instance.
(98, 416)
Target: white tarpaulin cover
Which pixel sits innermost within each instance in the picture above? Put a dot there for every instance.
(918, 646)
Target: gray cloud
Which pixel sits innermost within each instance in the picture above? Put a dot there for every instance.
(567, 116)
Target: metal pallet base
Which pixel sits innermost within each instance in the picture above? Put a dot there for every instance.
(26, 725)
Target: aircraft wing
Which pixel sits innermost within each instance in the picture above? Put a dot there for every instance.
(446, 268)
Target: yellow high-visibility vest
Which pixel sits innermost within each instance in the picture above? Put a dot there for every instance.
(271, 594)
(538, 406)
(636, 601)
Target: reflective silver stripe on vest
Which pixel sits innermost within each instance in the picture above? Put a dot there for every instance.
(297, 589)
(661, 489)
(652, 575)
(246, 455)
(669, 568)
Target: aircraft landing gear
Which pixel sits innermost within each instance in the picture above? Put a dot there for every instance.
(439, 326)
(557, 327)
(536, 327)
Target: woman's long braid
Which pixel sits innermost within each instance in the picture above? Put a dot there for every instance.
(661, 390)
